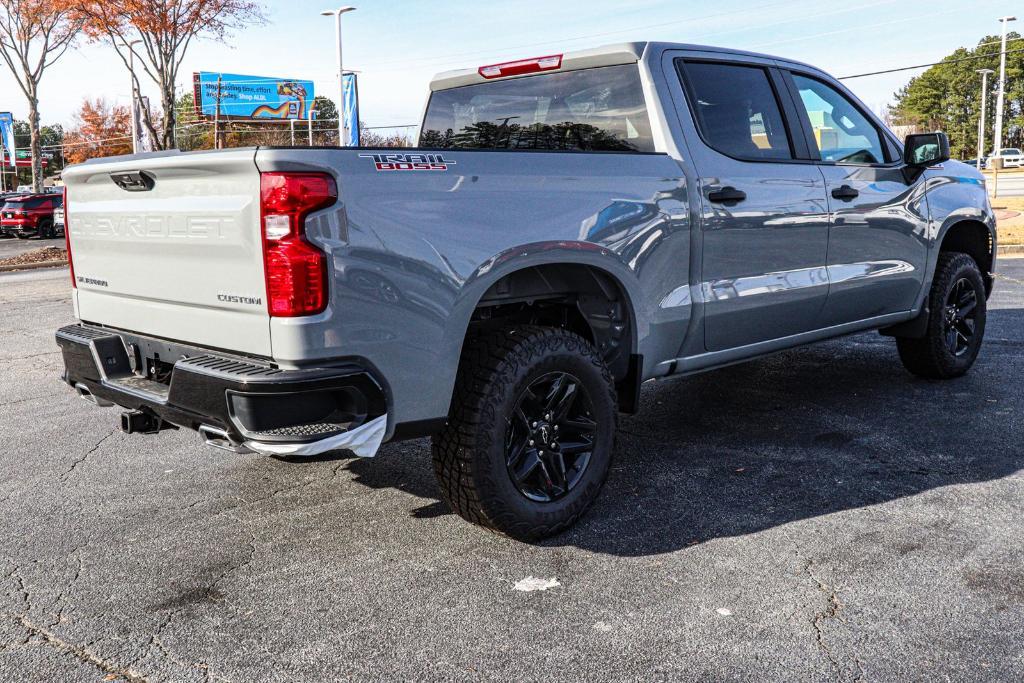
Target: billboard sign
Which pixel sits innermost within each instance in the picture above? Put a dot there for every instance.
(251, 97)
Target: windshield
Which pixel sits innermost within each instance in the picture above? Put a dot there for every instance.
(598, 109)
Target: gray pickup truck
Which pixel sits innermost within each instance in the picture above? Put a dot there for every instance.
(569, 227)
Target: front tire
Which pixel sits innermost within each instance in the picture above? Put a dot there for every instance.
(529, 439)
(956, 323)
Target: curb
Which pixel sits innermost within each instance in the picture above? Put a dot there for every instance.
(32, 266)
(1010, 249)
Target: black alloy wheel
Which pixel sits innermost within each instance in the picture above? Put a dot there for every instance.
(530, 435)
(550, 437)
(959, 317)
(955, 326)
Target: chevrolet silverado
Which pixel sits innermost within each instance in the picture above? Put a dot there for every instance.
(569, 227)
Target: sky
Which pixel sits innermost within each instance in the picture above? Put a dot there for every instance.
(398, 45)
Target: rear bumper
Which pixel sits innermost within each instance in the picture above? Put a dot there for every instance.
(23, 228)
(235, 403)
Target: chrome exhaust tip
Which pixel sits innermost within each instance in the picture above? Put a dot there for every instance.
(86, 395)
(218, 438)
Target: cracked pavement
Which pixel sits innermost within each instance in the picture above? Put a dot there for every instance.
(818, 515)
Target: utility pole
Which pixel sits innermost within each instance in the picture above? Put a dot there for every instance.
(981, 120)
(135, 97)
(336, 13)
(216, 118)
(998, 142)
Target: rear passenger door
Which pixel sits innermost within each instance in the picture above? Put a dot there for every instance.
(764, 227)
(878, 221)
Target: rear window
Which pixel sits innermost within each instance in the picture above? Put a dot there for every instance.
(593, 110)
(28, 202)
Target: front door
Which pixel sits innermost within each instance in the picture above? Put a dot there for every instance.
(879, 221)
(764, 210)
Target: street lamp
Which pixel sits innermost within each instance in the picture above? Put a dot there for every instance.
(981, 121)
(336, 13)
(1002, 88)
(134, 107)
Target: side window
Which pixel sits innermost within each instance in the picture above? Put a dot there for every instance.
(737, 111)
(841, 131)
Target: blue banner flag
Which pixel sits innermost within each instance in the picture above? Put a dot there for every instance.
(7, 135)
(350, 109)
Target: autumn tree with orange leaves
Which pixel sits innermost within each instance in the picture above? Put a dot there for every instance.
(164, 29)
(33, 35)
(101, 130)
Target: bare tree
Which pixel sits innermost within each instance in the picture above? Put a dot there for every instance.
(162, 31)
(33, 35)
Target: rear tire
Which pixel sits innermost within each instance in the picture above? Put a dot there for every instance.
(45, 230)
(529, 439)
(956, 324)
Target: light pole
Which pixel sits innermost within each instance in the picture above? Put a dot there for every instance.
(981, 121)
(135, 96)
(336, 13)
(998, 142)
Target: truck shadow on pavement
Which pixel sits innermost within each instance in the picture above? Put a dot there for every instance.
(803, 434)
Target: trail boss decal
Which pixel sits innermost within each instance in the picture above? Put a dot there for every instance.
(409, 162)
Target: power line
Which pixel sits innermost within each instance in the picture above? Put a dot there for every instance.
(922, 66)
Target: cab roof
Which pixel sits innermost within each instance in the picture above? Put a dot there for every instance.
(606, 55)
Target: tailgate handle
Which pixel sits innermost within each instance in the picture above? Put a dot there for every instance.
(133, 181)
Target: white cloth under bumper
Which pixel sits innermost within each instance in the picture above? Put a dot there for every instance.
(363, 441)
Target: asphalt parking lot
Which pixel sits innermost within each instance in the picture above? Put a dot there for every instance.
(12, 246)
(818, 515)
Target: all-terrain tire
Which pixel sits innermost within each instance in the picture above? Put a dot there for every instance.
(471, 453)
(931, 356)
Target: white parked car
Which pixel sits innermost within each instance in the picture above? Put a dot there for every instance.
(1011, 156)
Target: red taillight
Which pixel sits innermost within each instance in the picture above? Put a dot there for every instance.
(522, 66)
(296, 271)
(67, 238)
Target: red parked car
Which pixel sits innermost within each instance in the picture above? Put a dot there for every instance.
(31, 215)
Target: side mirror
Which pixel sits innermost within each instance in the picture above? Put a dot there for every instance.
(925, 149)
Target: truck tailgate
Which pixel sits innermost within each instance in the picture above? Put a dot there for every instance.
(178, 257)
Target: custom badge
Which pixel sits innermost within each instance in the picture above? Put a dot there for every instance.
(409, 162)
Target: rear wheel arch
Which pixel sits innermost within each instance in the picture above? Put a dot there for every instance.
(587, 298)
